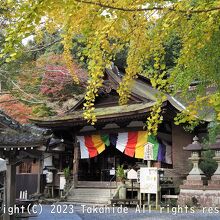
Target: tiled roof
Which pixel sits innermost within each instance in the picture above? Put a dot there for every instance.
(141, 89)
(101, 114)
(7, 121)
(11, 139)
(14, 134)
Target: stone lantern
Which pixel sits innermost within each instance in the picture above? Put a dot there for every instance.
(215, 179)
(196, 175)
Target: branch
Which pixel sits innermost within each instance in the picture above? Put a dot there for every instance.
(158, 8)
(11, 100)
(21, 90)
(43, 47)
(119, 8)
(32, 102)
(20, 99)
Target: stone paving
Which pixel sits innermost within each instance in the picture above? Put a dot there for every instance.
(89, 212)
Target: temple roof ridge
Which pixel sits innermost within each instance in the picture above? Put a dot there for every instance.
(14, 134)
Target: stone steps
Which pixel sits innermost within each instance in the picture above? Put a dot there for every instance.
(88, 201)
(91, 195)
(96, 184)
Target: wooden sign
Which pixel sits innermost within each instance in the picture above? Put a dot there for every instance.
(132, 174)
(62, 182)
(112, 172)
(149, 180)
(148, 151)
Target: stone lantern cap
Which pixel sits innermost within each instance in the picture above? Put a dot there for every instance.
(195, 146)
(216, 145)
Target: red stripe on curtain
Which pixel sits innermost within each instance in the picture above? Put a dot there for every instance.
(131, 144)
(90, 145)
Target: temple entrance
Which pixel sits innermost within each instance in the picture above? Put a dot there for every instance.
(101, 167)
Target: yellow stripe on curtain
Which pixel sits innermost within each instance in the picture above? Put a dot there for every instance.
(141, 141)
(98, 143)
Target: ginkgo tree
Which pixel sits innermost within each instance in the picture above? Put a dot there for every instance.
(142, 27)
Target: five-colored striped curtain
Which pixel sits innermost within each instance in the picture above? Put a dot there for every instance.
(132, 144)
(92, 145)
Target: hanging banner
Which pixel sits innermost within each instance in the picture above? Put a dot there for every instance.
(165, 152)
(161, 153)
(132, 143)
(168, 154)
(92, 145)
(138, 144)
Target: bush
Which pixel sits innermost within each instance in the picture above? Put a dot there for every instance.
(208, 164)
(120, 174)
(67, 173)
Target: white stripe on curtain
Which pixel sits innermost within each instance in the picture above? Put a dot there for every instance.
(168, 155)
(83, 149)
(122, 141)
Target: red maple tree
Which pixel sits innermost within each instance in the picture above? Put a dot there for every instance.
(15, 109)
(58, 82)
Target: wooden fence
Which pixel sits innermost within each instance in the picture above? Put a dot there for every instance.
(29, 182)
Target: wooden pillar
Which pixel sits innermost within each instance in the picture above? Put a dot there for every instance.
(10, 188)
(61, 162)
(75, 163)
(4, 192)
(39, 176)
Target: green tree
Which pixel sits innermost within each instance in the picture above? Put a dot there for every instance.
(143, 29)
(208, 164)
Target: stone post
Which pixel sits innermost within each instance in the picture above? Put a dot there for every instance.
(215, 179)
(216, 175)
(196, 175)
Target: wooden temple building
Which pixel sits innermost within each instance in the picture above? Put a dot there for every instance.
(19, 144)
(94, 152)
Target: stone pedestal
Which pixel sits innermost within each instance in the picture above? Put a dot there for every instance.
(203, 196)
(194, 192)
(193, 182)
(215, 179)
(191, 192)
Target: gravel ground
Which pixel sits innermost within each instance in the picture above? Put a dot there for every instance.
(88, 212)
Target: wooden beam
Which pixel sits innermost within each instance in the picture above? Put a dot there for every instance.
(112, 130)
